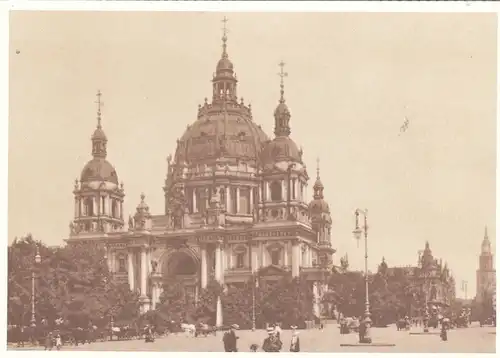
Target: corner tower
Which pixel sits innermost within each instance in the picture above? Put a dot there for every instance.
(98, 196)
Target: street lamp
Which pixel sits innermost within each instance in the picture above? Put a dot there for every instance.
(38, 259)
(254, 282)
(358, 232)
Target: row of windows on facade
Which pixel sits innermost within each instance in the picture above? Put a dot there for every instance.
(240, 260)
(89, 209)
(198, 198)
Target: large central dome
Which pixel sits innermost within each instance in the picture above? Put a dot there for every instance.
(224, 127)
(228, 132)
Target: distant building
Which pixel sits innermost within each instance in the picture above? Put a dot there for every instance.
(486, 274)
(430, 278)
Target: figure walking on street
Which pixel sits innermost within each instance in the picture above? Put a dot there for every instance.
(230, 339)
(295, 342)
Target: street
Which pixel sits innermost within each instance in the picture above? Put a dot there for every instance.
(469, 340)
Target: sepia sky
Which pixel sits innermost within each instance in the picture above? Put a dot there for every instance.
(352, 80)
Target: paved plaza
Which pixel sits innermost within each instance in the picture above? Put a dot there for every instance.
(468, 340)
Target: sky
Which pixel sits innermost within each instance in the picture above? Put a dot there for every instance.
(352, 80)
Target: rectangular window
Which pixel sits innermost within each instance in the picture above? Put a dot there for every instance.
(233, 201)
(244, 201)
(294, 183)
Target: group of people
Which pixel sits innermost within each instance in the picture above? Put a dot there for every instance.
(272, 343)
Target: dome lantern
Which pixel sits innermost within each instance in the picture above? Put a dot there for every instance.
(282, 114)
(224, 81)
(99, 139)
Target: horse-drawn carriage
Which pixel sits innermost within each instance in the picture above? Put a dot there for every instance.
(403, 324)
(205, 330)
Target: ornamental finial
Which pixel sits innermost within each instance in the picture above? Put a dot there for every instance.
(224, 37)
(99, 105)
(282, 74)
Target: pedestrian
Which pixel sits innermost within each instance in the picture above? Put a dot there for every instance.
(48, 342)
(277, 329)
(444, 333)
(230, 339)
(272, 343)
(58, 342)
(295, 342)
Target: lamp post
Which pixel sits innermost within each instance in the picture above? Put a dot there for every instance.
(254, 282)
(358, 232)
(38, 259)
(426, 303)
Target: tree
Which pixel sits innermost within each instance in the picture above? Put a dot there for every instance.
(72, 282)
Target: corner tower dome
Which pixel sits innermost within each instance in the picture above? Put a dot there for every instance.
(282, 147)
(98, 168)
(319, 207)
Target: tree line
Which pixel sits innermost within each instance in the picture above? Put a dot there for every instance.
(73, 283)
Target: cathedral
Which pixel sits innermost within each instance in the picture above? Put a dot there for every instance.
(236, 205)
(486, 274)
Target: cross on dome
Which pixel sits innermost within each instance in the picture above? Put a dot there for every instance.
(99, 105)
(282, 74)
(224, 36)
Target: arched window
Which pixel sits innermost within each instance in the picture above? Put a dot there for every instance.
(89, 206)
(114, 208)
(276, 191)
(122, 267)
(240, 260)
(222, 193)
(275, 257)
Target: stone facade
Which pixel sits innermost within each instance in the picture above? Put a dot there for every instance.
(235, 203)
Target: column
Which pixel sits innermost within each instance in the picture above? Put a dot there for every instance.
(110, 205)
(309, 256)
(204, 276)
(76, 208)
(251, 200)
(284, 191)
(228, 200)
(229, 258)
(130, 257)
(268, 191)
(295, 258)
(285, 254)
(254, 263)
(297, 191)
(237, 200)
(144, 268)
(195, 204)
(218, 262)
(150, 267)
(113, 261)
(95, 205)
(154, 295)
(121, 210)
(224, 262)
(262, 254)
(108, 259)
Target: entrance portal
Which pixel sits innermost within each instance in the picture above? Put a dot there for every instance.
(182, 268)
